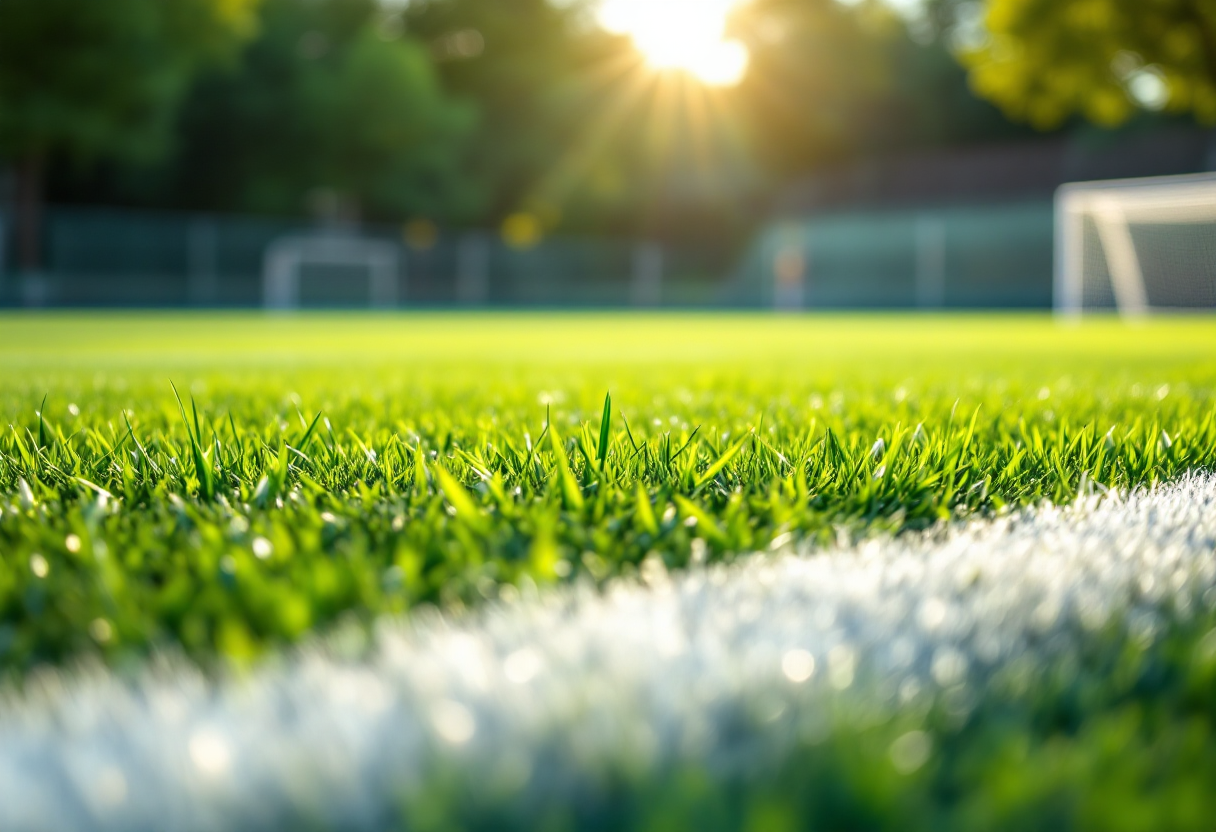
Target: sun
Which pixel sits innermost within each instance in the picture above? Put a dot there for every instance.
(685, 35)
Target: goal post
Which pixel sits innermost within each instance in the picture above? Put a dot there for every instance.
(287, 256)
(1137, 246)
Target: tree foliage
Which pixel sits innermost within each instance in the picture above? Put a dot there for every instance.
(330, 97)
(527, 65)
(89, 78)
(817, 69)
(1043, 61)
(85, 80)
(468, 111)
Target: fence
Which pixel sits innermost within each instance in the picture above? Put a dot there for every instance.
(997, 256)
(105, 257)
(978, 256)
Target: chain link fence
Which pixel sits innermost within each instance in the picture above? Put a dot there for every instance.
(963, 257)
(994, 256)
(102, 257)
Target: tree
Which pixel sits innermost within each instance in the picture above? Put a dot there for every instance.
(530, 66)
(577, 131)
(331, 97)
(832, 82)
(1043, 61)
(81, 79)
(818, 67)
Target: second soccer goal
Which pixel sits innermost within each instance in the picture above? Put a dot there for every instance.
(1136, 245)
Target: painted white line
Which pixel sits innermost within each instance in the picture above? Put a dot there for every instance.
(728, 666)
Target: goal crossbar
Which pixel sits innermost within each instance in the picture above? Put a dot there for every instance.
(286, 256)
(1114, 206)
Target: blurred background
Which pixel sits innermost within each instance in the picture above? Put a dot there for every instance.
(583, 153)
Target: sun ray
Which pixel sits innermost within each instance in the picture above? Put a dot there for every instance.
(688, 36)
(727, 129)
(700, 130)
(663, 120)
(596, 136)
(667, 88)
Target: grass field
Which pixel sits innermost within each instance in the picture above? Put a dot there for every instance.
(225, 485)
(331, 465)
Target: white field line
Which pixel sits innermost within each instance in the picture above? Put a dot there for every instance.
(530, 700)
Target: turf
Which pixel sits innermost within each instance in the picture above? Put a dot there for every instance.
(1048, 669)
(222, 484)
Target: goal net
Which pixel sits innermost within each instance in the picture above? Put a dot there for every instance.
(1136, 245)
(287, 257)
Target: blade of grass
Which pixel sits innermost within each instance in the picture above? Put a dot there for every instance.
(601, 454)
(722, 461)
(572, 495)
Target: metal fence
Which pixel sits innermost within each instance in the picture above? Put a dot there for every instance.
(104, 257)
(977, 256)
(997, 256)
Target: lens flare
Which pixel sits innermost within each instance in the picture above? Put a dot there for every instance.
(685, 35)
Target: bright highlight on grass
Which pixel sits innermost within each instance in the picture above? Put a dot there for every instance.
(685, 35)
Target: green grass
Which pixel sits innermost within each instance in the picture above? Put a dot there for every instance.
(330, 467)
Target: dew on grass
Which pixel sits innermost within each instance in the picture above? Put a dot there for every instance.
(1009, 598)
(842, 667)
(911, 751)
(101, 630)
(39, 566)
(949, 667)
(798, 666)
(262, 548)
(933, 614)
(522, 666)
(210, 752)
(453, 722)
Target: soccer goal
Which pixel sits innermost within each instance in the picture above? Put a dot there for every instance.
(286, 257)
(1136, 245)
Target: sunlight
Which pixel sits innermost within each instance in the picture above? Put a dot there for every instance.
(687, 35)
